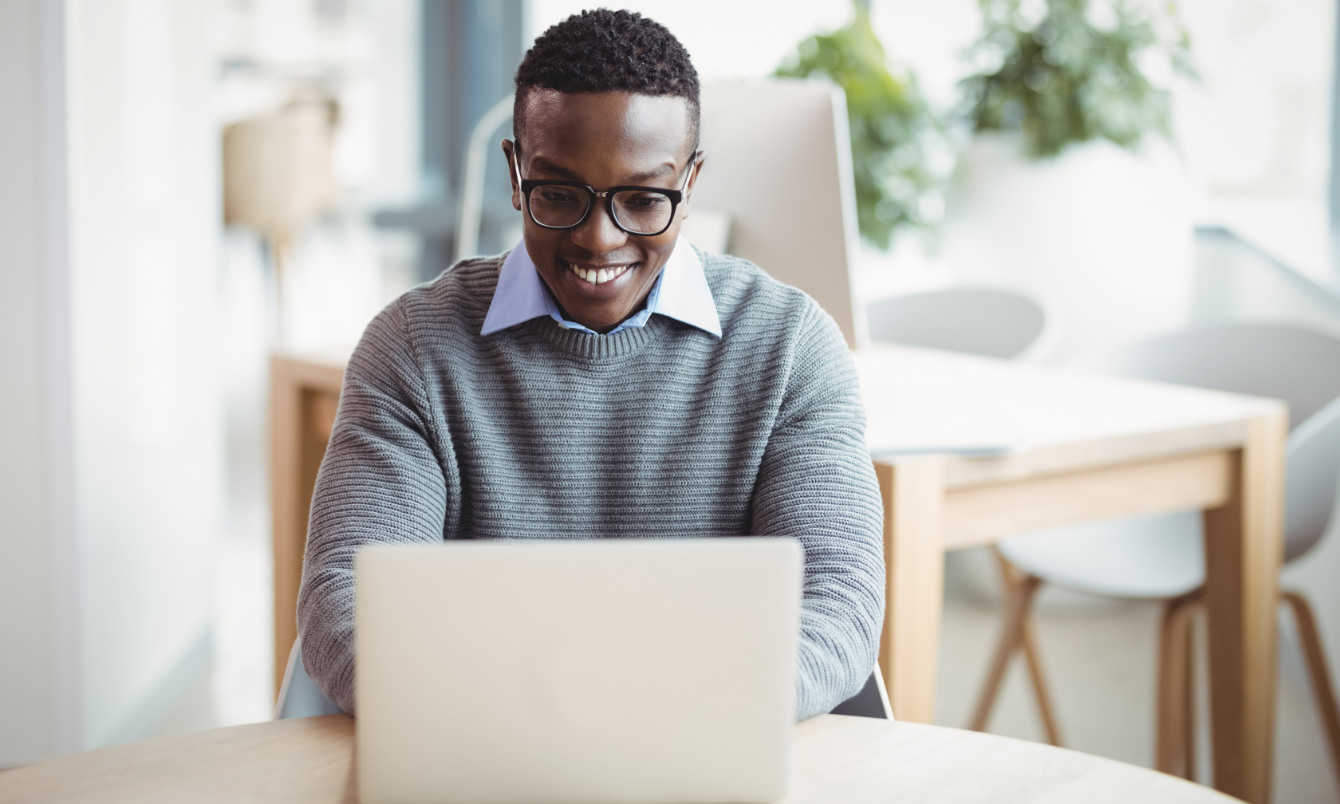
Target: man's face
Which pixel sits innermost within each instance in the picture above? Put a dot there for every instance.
(603, 140)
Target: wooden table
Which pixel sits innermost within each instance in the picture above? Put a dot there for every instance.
(1065, 447)
(837, 759)
(1077, 447)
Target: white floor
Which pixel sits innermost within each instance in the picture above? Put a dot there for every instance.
(1099, 655)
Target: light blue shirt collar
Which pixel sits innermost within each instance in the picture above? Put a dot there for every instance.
(680, 292)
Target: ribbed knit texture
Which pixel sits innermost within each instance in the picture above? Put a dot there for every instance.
(661, 431)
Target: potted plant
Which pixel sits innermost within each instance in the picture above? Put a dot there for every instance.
(900, 156)
(1071, 186)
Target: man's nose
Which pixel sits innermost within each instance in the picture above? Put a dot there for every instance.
(598, 234)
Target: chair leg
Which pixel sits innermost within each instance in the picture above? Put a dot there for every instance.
(1031, 657)
(1317, 671)
(1019, 599)
(1168, 725)
(1040, 692)
(1173, 738)
(1189, 699)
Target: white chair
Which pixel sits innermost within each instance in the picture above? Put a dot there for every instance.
(298, 695)
(986, 321)
(1161, 557)
(778, 167)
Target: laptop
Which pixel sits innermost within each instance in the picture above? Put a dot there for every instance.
(638, 671)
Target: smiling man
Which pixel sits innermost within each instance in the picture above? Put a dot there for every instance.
(604, 378)
(632, 144)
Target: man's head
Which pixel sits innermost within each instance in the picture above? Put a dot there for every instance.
(606, 99)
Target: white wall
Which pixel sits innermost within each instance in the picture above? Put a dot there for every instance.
(38, 689)
(110, 426)
(1259, 120)
(397, 100)
(144, 222)
(724, 39)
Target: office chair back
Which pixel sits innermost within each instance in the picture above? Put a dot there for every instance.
(778, 165)
(991, 322)
(298, 695)
(872, 701)
(1312, 476)
(1300, 366)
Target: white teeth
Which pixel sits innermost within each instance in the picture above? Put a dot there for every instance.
(598, 276)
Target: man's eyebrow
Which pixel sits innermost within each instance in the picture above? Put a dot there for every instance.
(543, 165)
(666, 169)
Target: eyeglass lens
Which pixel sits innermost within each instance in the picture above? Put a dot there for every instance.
(639, 211)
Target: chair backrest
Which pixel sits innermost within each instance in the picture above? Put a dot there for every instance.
(1313, 474)
(471, 208)
(778, 164)
(1300, 366)
(872, 701)
(298, 695)
(992, 322)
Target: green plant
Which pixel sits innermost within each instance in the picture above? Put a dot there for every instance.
(1064, 71)
(899, 153)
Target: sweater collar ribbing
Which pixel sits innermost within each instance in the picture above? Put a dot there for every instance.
(599, 347)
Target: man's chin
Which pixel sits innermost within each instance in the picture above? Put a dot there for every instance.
(602, 306)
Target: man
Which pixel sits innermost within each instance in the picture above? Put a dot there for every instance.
(604, 379)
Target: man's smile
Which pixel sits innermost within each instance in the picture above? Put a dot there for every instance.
(595, 275)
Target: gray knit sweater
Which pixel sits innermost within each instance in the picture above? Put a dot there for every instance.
(661, 431)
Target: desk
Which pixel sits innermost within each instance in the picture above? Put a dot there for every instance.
(1084, 447)
(837, 759)
(1079, 448)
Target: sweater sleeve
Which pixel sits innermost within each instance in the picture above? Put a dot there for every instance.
(817, 484)
(380, 482)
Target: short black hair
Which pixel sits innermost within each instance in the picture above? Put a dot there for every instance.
(607, 51)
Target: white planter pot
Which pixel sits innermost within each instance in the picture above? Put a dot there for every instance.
(1100, 233)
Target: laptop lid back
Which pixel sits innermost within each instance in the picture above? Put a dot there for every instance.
(566, 671)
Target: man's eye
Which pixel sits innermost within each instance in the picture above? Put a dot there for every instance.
(553, 195)
(646, 201)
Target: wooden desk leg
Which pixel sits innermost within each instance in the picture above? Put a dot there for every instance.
(303, 400)
(914, 492)
(1243, 552)
(287, 517)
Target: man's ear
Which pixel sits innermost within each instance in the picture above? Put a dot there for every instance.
(513, 170)
(693, 181)
(698, 158)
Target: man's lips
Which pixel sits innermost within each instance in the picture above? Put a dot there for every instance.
(597, 274)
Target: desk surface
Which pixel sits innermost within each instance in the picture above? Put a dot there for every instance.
(844, 759)
(996, 420)
(1002, 421)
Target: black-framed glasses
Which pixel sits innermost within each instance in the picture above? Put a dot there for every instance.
(644, 211)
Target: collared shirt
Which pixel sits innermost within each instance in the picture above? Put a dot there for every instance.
(680, 292)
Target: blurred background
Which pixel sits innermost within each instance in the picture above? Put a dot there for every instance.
(191, 187)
